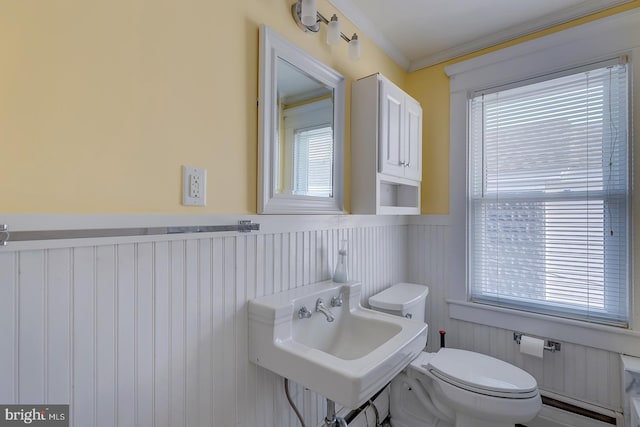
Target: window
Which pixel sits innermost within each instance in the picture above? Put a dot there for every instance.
(548, 199)
(307, 149)
(313, 160)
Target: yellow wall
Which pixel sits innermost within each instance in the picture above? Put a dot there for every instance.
(101, 102)
(430, 86)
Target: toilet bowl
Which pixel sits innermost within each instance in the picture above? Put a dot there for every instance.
(463, 389)
(456, 388)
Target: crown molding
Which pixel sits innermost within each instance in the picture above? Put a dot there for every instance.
(367, 27)
(511, 33)
(608, 36)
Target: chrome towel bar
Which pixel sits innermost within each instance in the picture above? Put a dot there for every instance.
(243, 226)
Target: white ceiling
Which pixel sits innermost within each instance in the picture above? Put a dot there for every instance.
(420, 33)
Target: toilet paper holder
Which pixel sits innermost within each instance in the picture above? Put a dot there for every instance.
(549, 345)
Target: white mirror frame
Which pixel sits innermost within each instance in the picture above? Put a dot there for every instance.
(272, 47)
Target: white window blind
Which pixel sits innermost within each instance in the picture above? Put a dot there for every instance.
(548, 205)
(313, 153)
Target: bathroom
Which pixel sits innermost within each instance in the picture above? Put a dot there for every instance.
(103, 103)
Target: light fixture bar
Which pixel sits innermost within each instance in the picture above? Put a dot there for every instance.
(347, 39)
(326, 21)
(296, 10)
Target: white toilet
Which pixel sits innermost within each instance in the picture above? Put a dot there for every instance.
(454, 388)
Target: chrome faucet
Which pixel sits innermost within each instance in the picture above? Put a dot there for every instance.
(324, 310)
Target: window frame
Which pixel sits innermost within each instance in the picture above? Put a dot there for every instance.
(548, 308)
(584, 44)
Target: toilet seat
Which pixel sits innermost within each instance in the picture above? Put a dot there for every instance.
(480, 374)
(455, 387)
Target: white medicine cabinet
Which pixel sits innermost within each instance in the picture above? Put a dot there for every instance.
(400, 132)
(386, 148)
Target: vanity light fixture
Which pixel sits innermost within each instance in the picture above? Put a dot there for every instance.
(354, 48)
(308, 11)
(333, 31)
(306, 15)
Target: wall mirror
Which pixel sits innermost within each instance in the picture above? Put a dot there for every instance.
(301, 130)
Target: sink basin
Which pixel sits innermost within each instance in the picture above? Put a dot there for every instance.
(346, 360)
(348, 337)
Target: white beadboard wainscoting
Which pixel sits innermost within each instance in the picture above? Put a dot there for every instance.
(152, 331)
(578, 372)
(582, 373)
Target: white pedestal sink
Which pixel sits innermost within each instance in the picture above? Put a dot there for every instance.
(346, 360)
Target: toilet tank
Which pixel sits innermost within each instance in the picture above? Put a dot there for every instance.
(402, 299)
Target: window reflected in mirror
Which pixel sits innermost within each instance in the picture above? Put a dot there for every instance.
(304, 134)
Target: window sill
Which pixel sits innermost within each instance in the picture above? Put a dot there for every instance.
(603, 337)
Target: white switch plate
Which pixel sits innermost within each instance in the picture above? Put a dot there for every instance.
(194, 186)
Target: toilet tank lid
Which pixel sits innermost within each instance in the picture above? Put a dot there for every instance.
(399, 296)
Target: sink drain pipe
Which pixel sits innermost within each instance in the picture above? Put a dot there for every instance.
(331, 420)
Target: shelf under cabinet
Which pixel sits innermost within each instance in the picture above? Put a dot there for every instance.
(398, 198)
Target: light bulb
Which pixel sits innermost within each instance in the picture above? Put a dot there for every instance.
(333, 31)
(354, 48)
(308, 12)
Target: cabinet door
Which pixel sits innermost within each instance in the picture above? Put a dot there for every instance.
(413, 133)
(391, 148)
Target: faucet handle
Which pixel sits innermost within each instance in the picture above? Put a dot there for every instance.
(304, 313)
(336, 301)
